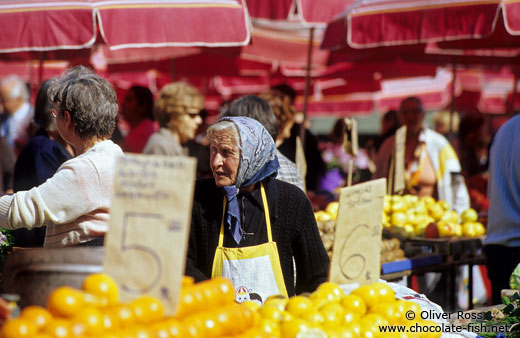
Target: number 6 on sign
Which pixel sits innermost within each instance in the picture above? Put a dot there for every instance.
(355, 257)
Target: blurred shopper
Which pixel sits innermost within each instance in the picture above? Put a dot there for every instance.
(315, 165)
(75, 202)
(177, 110)
(431, 164)
(262, 111)
(474, 140)
(6, 167)
(137, 110)
(502, 244)
(18, 113)
(39, 160)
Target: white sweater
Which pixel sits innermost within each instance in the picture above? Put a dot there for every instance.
(74, 204)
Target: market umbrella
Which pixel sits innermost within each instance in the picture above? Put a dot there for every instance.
(45, 27)
(375, 23)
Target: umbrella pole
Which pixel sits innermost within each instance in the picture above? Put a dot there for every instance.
(307, 85)
(40, 73)
(452, 103)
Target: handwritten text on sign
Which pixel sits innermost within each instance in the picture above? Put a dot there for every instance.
(355, 257)
(146, 245)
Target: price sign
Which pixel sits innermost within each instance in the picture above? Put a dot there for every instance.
(356, 253)
(145, 247)
(400, 147)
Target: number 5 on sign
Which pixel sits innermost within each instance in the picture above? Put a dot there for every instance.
(356, 253)
(145, 247)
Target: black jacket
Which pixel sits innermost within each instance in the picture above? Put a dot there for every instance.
(293, 226)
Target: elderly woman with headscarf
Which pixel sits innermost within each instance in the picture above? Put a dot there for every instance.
(248, 226)
(75, 202)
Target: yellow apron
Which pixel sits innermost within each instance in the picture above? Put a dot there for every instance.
(255, 271)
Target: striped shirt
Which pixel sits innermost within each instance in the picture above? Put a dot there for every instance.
(504, 186)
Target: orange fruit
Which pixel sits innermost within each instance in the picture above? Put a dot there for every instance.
(123, 313)
(187, 281)
(147, 309)
(102, 285)
(19, 328)
(37, 315)
(65, 301)
(92, 319)
(176, 328)
(58, 328)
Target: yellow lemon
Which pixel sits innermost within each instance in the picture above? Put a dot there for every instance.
(436, 211)
(398, 218)
(278, 301)
(469, 215)
(354, 303)
(291, 328)
(298, 305)
(445, 205)
(331, 291)
(270, 312)
(450, 217)
(469, 229)
(332, 209)
(480, 229)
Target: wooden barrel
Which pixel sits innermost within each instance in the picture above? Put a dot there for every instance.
(33, 273)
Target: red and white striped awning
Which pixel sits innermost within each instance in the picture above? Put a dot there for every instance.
(40, 26)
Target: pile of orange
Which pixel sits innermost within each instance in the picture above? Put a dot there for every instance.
(206, 309)
(328, 312)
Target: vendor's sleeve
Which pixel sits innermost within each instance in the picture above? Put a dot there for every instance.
(70, 193)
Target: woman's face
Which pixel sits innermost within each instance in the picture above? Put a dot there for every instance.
(186, 124)
(224, 158)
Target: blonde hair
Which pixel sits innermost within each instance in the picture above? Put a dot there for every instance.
(282, 108)
(173, 99)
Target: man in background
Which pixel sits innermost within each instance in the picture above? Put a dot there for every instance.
(17, 115)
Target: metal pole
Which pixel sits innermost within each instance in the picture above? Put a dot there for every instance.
(307, 85)
(452, 104)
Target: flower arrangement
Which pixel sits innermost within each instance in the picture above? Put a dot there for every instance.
(6, 244)
(337, 161)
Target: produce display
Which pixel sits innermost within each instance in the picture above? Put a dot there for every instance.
(411, 216)
(326, 219)
(494, 320)
(328, 312)
(206, 309)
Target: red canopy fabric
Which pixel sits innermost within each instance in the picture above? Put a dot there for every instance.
(309, 13)
(32, 25)
(374, 23)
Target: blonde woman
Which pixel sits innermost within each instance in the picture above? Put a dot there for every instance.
(176, 110)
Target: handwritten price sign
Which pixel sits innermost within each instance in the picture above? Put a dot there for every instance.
(356, 253)
(146, 245)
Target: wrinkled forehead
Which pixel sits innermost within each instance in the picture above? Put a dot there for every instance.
(224, 139)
